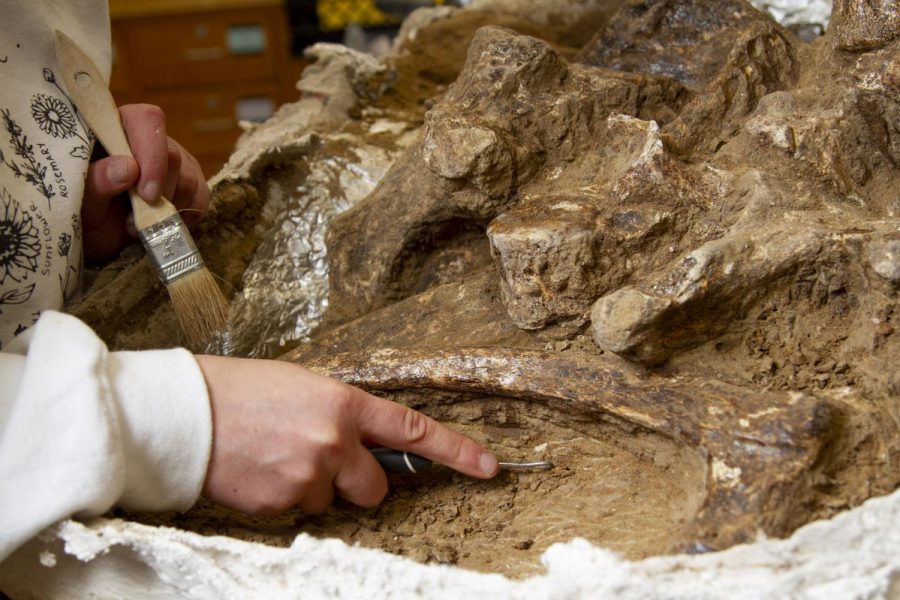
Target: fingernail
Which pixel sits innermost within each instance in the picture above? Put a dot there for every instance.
(488, 464)
(150, 192)
(118, 171)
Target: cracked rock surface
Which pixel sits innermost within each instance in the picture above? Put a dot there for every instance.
(667, 256)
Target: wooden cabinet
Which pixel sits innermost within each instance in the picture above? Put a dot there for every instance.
(207, 63)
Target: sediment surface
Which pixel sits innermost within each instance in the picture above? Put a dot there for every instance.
(659, 246)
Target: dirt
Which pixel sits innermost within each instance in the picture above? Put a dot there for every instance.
(634, 498)
(670, 285)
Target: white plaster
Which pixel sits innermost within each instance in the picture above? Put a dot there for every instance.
(854, 555)
(723, 472)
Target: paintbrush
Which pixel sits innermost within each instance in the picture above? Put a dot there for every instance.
(198, 302)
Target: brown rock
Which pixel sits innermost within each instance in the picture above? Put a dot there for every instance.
(687, 40)
(547, 254)
(694, 301)
(762, 60)
(421, 321)
(876, 80)
(622, 322)
(517, 114)
(458, 150)
(864, 24)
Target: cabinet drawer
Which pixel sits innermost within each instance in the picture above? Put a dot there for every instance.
(212, 163)
(121, 82)
(206, 121)
(189, 50)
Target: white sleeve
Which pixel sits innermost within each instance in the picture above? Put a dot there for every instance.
(83, 429)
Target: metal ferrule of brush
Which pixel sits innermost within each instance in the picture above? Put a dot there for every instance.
(171, 249)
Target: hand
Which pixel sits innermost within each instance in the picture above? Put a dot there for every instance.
(160, 166)
(285, 436)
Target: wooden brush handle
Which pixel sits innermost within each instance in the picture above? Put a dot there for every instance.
(91, 96)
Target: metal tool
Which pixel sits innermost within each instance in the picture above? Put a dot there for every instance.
(398, 461)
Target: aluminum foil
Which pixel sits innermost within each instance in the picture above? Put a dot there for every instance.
(285, 291)
(797, 12)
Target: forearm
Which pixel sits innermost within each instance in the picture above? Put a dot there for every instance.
(84, 429)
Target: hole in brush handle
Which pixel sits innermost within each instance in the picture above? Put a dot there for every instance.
(83, 79)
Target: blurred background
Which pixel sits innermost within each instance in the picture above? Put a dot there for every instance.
(212, 63)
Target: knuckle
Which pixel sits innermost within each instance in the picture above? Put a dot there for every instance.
(301, 477)
(288, 491)
(152, 111)
(174, 157)
(342, 398)
(415, 427)
(459, 449)
(330, 446)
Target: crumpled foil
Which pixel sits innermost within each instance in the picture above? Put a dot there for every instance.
(285, 291)
(797, 12)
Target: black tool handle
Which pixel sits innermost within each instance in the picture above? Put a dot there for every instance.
(398, 461)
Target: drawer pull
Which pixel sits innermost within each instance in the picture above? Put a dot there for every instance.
(255, 109)
(208, 53)
(213, 125)
(246, 40)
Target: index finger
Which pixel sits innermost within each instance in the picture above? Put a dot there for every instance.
(145, 125)
(396, 426)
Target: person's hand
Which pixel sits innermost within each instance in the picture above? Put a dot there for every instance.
(160, 166)
(284, 436)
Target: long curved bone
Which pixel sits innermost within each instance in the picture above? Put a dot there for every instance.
(759, 447)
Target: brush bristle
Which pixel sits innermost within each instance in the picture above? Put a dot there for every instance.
(200, 306)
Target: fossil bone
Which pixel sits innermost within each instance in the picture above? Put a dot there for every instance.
(759, 446)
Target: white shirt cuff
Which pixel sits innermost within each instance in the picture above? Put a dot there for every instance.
(166, 427)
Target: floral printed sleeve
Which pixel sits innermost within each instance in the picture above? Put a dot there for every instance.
(44, 151)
